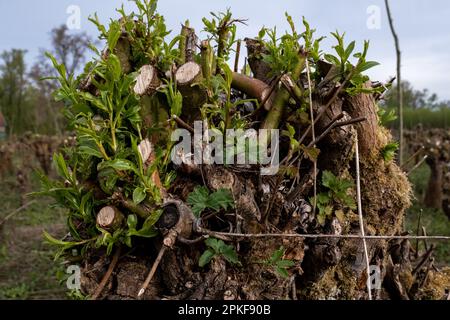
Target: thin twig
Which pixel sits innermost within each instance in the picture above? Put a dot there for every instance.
(107, 275)
(191, 241)
(417, 232)
(182, 124)
(415, 154)
(424, 233)
(327, 130)
(238, 53)
(152, 271)
(294, 288)
(361, 222)
(226, 235)
(9, 216)
(399, 81)
(329, 103)
(350, 121)
(313, 132)
(418, 164)
(334, 124)
(425, 257)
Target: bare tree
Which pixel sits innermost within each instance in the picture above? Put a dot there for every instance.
(399, 82)
(69, 48)
(13, 90)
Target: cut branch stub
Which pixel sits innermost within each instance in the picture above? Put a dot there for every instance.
(364, 105)
(194, 96)
(282, 96)
(177, 220)
(252, 87)
(188, 74)
(110, 218)
(207, 59)
(147, 81)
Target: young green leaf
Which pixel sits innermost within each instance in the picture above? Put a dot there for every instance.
(218, 248)
(200, 199)
(118, 164)
(229, 253)
(389, 150)
(139, 195)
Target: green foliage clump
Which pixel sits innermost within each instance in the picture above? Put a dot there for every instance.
(222, 29)
(108, 127)
(279, 264)
(201, 199)
(337, 194)
(218, 248)
(389, 150)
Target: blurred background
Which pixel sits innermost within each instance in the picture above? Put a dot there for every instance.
(32, 125)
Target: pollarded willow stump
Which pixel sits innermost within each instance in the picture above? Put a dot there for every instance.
(167, 266)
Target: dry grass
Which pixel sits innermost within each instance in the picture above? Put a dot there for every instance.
(27, 270)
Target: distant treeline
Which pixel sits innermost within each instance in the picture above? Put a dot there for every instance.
(28, 105)
(428, 118)
(420, 107)
(26, 101)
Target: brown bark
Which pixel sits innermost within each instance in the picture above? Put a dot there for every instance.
(254, 88)
(188, 44)
(434, 194)
(147, 81)
(255, 52)
(188, 77)
(110, 218)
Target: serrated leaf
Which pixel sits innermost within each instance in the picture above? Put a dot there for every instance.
(311, 153)
(214, 244)
(222, 198)
(276, 256)
(229, 253)
(198, 200)
(321, 218)
(282, 272)
(328, 179)
(389, 150)
(206, 258)
(285, 264)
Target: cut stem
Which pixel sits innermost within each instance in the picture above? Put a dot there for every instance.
(152, 272)
(107, 275)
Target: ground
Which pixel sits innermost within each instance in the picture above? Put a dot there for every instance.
(27, 270)
(435, 221)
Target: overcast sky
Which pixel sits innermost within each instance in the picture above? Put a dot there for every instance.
(423, 27)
